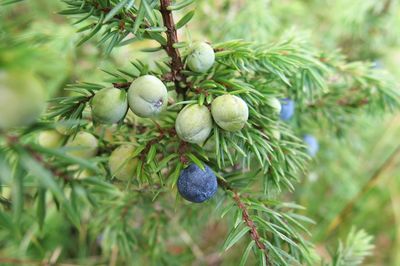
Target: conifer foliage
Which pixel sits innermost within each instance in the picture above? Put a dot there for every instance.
(205, 114)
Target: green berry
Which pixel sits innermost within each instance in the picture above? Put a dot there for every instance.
(22, 99)
(50, 139)
(276, 134)
(209, 145)
(275, 104)
(84, 145)
(109, 105)
(230, 112)
(106, 132)
(194, 123)
(83, 174)
(121, 163)
(147, 96)
(78, 173)
(63, 130)
(201, 58)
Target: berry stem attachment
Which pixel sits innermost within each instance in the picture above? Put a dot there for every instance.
(173, 53)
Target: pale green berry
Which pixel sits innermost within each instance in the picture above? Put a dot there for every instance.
(147, 96)
(84, 145)
(121, 163)
(201, 58)
(50, 139)
(194, 123)
(79, 173)
(109, 105)
(106, 132)
(276, 134)
(22, 99)
(209, 145)
(6, 192)
(63, 130)
(83, 174)
(275, 104)
(230, 112)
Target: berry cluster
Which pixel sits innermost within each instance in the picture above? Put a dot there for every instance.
(147, 97)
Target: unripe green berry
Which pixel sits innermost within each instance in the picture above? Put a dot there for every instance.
(63, 130)
(50, 139)
(79, 173)
(22, 99)
(201, 58)
(84, 145)
(147, 96)
(109, 105)
(106, 132)
(194, 123)
(230, 112)
(276, 134)
(121, 163)
(275, 104)
(83, 174)
(209, 145)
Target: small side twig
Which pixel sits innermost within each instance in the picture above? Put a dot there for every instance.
(14, 140)
(246, 218)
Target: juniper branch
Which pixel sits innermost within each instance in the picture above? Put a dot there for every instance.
(15, 140)
(173, 53)
(246, 218)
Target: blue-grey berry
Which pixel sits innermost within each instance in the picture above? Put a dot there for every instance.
(312, 144)
(378, 64)
(287, 109)
(196, 185)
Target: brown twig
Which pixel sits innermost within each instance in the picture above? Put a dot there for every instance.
(14, 140)
(51, 168)
(162, 133)
(173, 53)
(246, 218)
(122, 85)
(181, 84)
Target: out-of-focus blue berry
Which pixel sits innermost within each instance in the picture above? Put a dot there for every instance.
(287, 110)
(312, 144)
(377, 64)
(196, 185)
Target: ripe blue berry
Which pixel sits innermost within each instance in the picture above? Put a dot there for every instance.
(287, 110)
(196, 185)
(312, 144)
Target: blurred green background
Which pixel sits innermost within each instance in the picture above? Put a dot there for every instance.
(355, 177)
